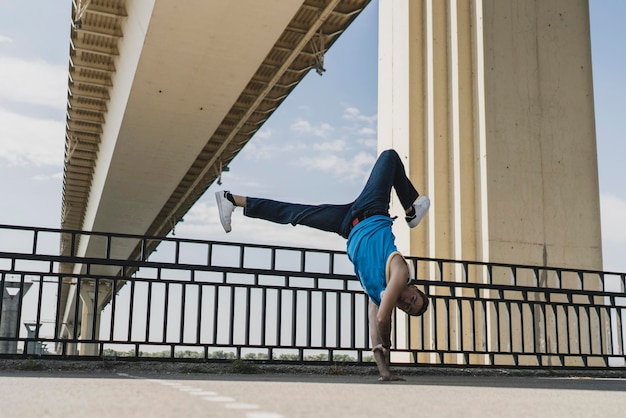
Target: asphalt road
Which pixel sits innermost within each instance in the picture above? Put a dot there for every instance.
(47, 394)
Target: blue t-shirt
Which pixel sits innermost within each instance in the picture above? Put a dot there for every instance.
(369, 246)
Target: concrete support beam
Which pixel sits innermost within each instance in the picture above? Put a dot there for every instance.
(12, 295)
(92, 304)
(490, 104)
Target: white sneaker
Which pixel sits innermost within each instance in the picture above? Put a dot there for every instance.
(225, 208)
(421, 206)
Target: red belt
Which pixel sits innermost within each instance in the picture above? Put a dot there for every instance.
(360, 218)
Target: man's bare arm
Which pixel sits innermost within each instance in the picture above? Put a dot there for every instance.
(381, 354)
(380, 317)
(399, 274)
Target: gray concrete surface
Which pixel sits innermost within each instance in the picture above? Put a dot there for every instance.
(141, 392)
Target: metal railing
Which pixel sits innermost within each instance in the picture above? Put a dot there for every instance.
(207, 299)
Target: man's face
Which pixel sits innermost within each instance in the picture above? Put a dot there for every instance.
(410, 300)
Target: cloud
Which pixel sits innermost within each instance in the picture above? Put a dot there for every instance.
(334, 146)
(302, 126)
(5, 39)
(613, 219)
(28, 140)
(613, 216)
(33, 82)
(263, 133)
(369, 143)
(355, 168)
(257, 149)
(354, 114)
(367, 132)
(46, 177)
(363, 129)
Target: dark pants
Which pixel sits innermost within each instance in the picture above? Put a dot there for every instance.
(374, 199)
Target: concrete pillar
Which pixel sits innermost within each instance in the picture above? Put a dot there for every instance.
(92, 306)
(67, 315)
(34, 347)
(490, 103)
(10, 315)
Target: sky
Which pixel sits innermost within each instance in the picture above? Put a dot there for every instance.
(318, 147)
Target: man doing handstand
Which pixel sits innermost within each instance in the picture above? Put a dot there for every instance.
(366, 224)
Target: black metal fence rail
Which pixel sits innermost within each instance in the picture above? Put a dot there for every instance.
(206, 299)
(499, 314)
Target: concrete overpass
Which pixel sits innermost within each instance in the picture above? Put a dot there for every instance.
(162, 96)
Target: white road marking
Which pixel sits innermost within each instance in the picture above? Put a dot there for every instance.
(241, 406)
(262, 414)
(211, 397)
(189, 389)
(203, 393)
(218, 399)
(166, 383)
